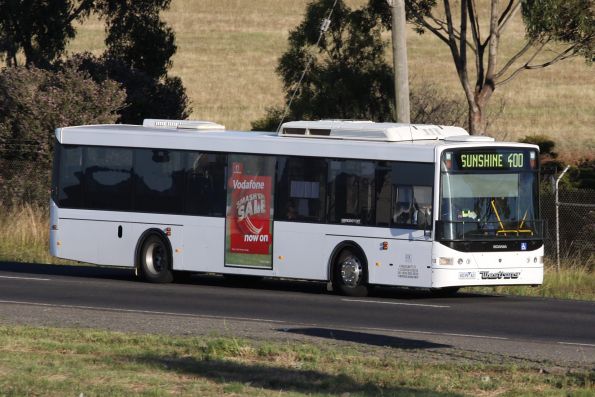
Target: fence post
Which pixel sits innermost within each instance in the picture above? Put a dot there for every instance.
(558, 219)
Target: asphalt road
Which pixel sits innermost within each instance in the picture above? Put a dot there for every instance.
(305, 303)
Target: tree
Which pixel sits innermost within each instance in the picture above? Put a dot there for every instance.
(348, 76)
(568, 23)
(137, 36)
(40, 29)
(138, 54)
(347, 73)
(146, 96)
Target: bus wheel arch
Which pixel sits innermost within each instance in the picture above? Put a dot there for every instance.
(153, 257)
(348, 269)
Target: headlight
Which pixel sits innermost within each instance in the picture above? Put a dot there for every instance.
(445, 261)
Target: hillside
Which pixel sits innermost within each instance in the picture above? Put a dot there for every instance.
(228, 51)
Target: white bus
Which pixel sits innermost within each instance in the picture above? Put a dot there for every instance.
(352, 203)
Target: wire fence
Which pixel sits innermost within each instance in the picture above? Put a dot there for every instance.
(577, 222)
(25, 182)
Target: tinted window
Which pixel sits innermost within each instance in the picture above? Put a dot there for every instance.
(159, 181)
(412, 194)
(70, 192)
(301, 187)
(383, 193)
(205, 184)
(351, 192)
(108, 178)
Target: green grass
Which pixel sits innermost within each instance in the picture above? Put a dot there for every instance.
(60, 362)
(573, 281)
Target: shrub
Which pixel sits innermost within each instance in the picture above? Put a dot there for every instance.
(33, 103)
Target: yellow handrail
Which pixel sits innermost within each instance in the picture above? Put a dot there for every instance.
(493, 202)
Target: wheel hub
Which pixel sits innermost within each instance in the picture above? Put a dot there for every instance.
(155, 258)
(351, 272)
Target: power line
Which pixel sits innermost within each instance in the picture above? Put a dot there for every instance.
(326, 22)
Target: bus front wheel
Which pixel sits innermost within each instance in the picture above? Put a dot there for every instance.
(155, 263)
(349, 275)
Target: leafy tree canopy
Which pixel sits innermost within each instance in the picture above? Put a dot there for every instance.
(347, 74)
(138, 54)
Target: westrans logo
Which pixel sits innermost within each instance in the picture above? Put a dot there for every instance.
(500, 246)
(485, 275)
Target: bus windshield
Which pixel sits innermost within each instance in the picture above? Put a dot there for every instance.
(489, 201)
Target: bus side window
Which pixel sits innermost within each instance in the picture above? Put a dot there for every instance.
(351, 185)
(108, 178)
(70, 177)
(158, 180)
(403, 205)
(205, 184)
(412, 195)
(301, 189)
(383, 193)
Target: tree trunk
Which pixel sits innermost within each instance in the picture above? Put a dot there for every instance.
(476, 120)
(478, 108)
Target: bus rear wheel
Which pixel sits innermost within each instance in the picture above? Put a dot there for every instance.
(349, 274)
(154, 260)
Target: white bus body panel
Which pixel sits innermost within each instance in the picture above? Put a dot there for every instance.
(487, 268)
(303, 250)
(92, 236)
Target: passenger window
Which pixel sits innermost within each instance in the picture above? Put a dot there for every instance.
(412, 195)
(159, 181)
(383, 193)
(205, 184)
(70, 192)
(301, 184)
(351, 192)
(108, 178)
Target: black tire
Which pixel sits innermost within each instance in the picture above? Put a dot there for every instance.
(444, 292)
(350, 274)
(155, 260)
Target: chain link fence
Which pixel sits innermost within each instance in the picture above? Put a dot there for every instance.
(25, 182)
(577, 223)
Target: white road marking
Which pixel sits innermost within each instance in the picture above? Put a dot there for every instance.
(577, 344)
(26, 278)
(437, 333)
(115, 309)
(393, 303)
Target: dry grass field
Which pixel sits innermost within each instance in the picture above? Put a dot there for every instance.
(228, 51)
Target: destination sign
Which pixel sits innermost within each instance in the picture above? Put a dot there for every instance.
(498, 159)
(491, 160)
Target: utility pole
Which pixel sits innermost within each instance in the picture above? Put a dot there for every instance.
(403, 111)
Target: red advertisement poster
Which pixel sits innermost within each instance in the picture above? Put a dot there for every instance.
(249, 218)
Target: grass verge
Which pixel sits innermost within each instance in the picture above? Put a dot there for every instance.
(59, 362)
(575, 280)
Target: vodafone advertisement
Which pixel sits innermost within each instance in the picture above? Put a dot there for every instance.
(249, 236)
